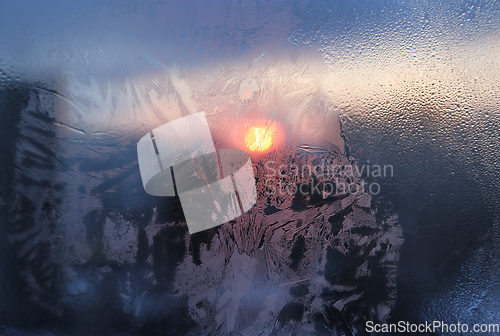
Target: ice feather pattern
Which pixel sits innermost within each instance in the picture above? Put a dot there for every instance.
(86, 238)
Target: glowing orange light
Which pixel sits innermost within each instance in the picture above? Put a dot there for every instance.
(259, 138)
